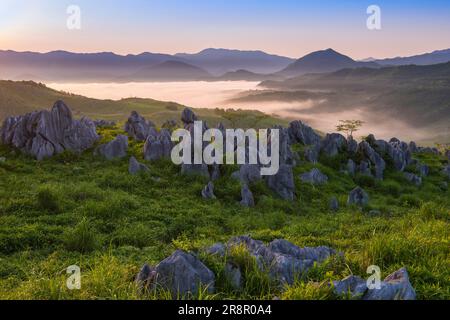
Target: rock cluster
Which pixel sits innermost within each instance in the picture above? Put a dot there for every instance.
(137, 127)
(115, 149)
(43, 134)
(314, 177)
(158, 145)
(395, 287)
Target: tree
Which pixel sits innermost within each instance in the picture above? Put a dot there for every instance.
(349, 126)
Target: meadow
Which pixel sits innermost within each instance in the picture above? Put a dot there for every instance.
(78, 209)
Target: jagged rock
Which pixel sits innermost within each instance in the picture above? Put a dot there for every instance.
(352, 145)
(312, 155)
(283, 182)
(247, 197)
(283, 260)
(351, 167)
(158, 145)
(302, 133)
(333, 144)
(413, 147)
(135, 167)
(208, 191)
(104, 123)
(146, 277)
(215, 172)
(233, 275)
(183, 274)
(334, 204)
(369, 153)
(428, 150)
(195, 169)
(115, 149)
(354, 286)
(423, 169)
(358, 197)
(137, 127)
(364, 168)
(314, 177)
(249, 173)
(411, 177)
(395, 287)
(217, 249)
(399, 159)
(188, 116)
(45, 133)
(286, 155)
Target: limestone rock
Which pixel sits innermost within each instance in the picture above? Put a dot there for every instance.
(188, 116)
(283, 182)
(43, 134)
(247, 197)
(314, 177)
(115, 149)
(137, 127)
(411, 177)
(183, 274)
(395, 287)
(353, 286)
(158, 145)
(333, 144)
(135, 167)
(208, 191)
(334, 204)
(358, 197)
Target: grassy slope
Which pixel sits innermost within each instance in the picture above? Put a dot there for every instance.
(21, 97)
(86, 211)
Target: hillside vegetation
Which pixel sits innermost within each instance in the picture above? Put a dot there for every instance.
(17, 98)
(86, 211)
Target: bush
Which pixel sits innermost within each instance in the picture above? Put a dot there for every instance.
(391, 188)
(82, 238)
(365, 181)
(48, 199)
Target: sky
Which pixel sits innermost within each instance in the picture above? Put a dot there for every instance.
(286, 27)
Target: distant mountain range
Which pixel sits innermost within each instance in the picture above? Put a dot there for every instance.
(321, 62)
(209, 65)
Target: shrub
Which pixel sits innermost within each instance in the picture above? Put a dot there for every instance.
(392, 188)
(365, 181)
(82, 238)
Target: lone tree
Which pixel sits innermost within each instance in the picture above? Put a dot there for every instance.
(349, 126)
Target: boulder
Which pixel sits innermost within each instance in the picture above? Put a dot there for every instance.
(413, 147)
(395, 287)
(333, 144)
(104, 123)
(115, 149)
(314, 177)
(369, 153)
(188, 116)
(364, 168)
(215, 172)
(247, 196)
(184, 275)
(334, 204)
(284, 261)
(423, 169)
(283, 182)
(352, 286)
(312, 154)
(302, 133)
(351, 167)
(411, 177)
(43, 134)
(208, 191)
(146, 277)
(135, 167)
(195, 169)
(137, 127)
(217, 249)
(358, 197)
(158, 145)
(249, 173)
(352, 145)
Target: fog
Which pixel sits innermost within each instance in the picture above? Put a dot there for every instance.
(198, 94)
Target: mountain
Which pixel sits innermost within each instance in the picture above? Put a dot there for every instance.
(245, 75)
(322, 62)
(68, 66)
(169, 71)
(220, 61)
(435, 57)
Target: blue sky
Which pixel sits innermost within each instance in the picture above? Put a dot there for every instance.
(285, 27)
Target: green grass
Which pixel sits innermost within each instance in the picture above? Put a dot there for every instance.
(82, 210)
